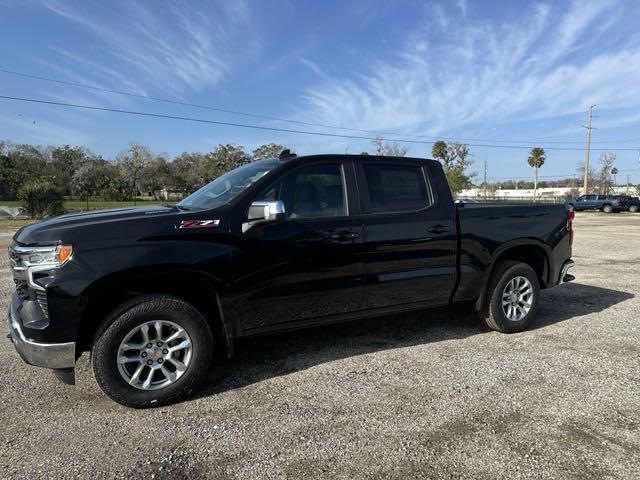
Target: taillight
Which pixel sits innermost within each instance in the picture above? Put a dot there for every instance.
(570, 216)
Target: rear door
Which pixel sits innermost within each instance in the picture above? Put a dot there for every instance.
(409, 243)
(305, 267)
(601, 200)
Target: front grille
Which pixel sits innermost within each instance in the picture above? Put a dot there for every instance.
(19, 274)
(28, 294)
(41, 297)
(14, 259)
(22, 288)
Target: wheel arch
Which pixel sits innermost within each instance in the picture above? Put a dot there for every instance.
(531, 252)
(195, 287)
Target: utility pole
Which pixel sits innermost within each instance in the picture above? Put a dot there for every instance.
(628, 184)
(485, 180)
(588, 151)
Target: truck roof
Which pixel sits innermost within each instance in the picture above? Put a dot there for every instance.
(351, 156)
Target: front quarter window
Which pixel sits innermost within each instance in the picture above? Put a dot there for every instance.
(225, 188)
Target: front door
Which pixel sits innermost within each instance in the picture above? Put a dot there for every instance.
(590, 201)
(409, 243)
(304, 268)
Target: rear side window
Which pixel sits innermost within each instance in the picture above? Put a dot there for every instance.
(395, 188)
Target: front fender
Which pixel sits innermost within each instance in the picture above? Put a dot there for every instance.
(107, 275)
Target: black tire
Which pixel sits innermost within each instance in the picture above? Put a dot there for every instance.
(607, 208)
(127, 317)
(633, 208)
(492, 313)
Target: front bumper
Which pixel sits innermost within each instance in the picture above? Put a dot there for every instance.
(48, 355)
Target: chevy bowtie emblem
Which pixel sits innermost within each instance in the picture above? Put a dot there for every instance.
(199, 223)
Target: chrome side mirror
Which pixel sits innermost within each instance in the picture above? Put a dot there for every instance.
(264, 212)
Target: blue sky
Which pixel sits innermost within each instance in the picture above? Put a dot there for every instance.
(495, 72)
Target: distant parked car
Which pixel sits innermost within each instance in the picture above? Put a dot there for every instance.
(605, 203)
(466, 200)
(627, 202)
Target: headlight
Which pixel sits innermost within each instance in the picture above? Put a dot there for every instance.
(44, 256)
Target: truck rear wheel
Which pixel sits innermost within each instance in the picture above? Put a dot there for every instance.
(512, 297)
(607, 208)
(152, 351)
(633, 208)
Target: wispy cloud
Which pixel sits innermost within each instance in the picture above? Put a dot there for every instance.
(462, 6)
(314, 68)
(45, 131)
(171, 44)
(541, 64)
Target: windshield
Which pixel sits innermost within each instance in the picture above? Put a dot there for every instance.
(226, 187)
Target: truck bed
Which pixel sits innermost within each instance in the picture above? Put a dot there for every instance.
(486, 230)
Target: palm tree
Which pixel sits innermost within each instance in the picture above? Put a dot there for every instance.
(536, 160)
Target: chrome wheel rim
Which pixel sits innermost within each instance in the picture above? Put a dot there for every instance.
(517, 298)
(154, 355)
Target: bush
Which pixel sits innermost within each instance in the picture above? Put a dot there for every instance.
(115, 189)
(41, 199)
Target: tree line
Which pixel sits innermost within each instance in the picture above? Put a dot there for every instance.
(76, 171)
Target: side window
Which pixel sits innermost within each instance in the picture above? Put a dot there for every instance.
(310, 192)
(395, 188)
(590, 197)
(602, 197)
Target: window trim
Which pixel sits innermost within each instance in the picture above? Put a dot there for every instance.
(339, 163)
(363, 186)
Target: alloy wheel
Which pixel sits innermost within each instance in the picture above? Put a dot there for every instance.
(517, 298)
(154, 354)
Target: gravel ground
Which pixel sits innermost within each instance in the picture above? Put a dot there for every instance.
(428, 395)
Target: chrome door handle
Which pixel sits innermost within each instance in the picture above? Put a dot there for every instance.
(343, 236)
(438, 229)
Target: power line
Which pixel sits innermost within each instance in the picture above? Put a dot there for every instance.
(287, 120)
(273, 129)
(205, 107)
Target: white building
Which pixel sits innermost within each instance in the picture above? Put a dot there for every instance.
(520, 193)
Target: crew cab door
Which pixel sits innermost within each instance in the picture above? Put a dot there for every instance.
(305, 267)
(409, 245)
(590, 201)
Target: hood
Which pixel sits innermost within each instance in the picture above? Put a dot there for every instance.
(99, 222)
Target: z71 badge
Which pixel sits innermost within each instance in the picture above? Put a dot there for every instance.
(199, 223)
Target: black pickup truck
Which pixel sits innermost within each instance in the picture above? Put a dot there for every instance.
(153, 292)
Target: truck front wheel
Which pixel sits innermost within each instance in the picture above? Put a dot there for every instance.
(512, 297)
(152, 351)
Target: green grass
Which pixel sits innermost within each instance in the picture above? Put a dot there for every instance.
(99, 204)
(13, 223)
